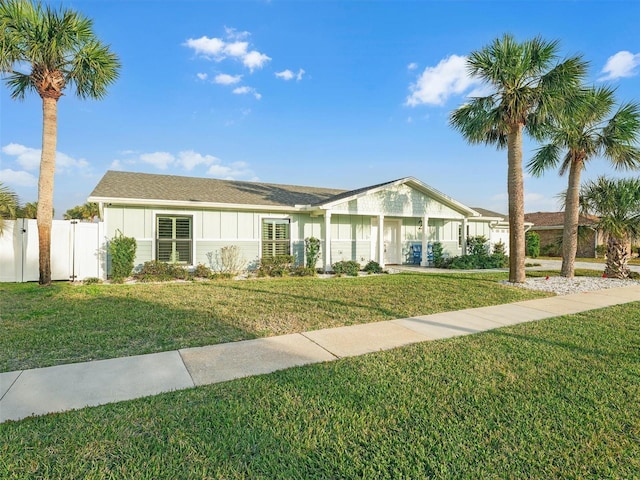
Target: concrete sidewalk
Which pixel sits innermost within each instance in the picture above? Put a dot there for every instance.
(67, 387)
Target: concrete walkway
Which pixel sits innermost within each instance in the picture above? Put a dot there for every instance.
(67, 387)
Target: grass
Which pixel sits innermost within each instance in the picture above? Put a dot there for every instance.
(550, 399)
(73, 323)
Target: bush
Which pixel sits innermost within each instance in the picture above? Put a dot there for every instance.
(276, 266)
(601, 250)
(346, 267)
(231, 260)
(475, 262)
(499, 248)
(373, 267)
(302, 271)
(312, 251)
(438, 255)
(477, 245)
(201, 271)
(155, 271)
(91, 281)
(532, 244)
(123, 254)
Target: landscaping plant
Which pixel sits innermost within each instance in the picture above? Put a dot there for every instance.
(123, 254)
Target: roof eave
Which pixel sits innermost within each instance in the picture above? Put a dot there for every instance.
(193, 204)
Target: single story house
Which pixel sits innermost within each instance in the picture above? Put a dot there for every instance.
(188, 220)
(550, 227)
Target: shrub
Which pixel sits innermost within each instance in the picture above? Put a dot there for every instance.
(346, 267)
(550, 250)
(202, 271)
(123, 254)
(499, 248)
(438, 255)
(231, 260)
(276, 266)
(91, 281)
(155, 271)
(373, 267)
(532, 244)
(312, 251)
(302, 271)
(475, 262)
(477, 245)
(601, 250)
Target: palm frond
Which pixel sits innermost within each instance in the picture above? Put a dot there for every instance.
(545, 158)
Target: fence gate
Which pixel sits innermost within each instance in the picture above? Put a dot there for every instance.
(76, 250)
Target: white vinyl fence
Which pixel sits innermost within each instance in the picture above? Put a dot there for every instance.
(77, 250)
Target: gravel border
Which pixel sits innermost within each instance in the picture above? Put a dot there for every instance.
(567, 286)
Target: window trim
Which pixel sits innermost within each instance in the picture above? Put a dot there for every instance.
(275, 217)
(192, 240)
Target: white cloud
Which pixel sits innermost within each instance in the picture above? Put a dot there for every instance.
(18, 178)
(436, 84)
(622, 64)
(160, 160)
(29, 158)
(289, 75)
(246, 91)
(190, 159)
(232, 171)
(219, 49)
(254, 59)
(236, 49)
(115, 165)
(207, 47)
(225, 79)
(412, 66)
(202, 76)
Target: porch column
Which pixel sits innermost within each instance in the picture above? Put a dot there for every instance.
(381, 240)
(425, 240)
(327, 241)
(464, 236)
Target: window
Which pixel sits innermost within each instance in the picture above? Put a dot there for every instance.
(460, 235)
(174, 238)
(276, 239)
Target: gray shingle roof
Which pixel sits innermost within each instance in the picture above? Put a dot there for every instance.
(145, 186)
(489, 213)
(556, 219)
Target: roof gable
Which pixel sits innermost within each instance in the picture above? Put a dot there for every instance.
(404, 197)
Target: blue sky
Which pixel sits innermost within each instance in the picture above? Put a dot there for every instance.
(334, 94)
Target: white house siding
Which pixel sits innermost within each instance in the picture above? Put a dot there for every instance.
(398, 201)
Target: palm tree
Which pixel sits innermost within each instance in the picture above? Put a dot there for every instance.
(617, 203)
(8, 205)
(528, 88)
(29, 210)
(587, 131)
(60, 49)
(88, 211)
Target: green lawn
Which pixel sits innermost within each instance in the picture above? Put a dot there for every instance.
(552, 399)
(72, 323)
(602, 261)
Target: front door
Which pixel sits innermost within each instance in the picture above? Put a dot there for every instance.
(392, 250)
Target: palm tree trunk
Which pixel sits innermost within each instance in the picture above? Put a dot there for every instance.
(45, 185)
(571, 216)
(617, 258)
(515, 188)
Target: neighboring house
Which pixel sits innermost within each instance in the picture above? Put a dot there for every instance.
(550, 226)
(188, 220)
(499, 227)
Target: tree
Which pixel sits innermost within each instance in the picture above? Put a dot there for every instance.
(61, 50)
(528, 88)
(8, 205)
(29, 210)
(617, 203)
(586, 131)
(88, 211)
